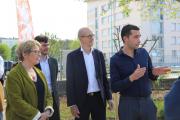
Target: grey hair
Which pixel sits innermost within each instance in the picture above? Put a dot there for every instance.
(26, 47)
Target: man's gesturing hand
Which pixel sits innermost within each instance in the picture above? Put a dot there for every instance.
(138, 73)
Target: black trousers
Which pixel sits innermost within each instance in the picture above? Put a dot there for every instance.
(93, 106)
(56, 115)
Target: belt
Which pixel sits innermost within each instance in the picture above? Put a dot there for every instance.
(93, 93)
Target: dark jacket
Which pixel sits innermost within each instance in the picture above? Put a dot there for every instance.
(77, 79)
(172, 102)
(53, 66)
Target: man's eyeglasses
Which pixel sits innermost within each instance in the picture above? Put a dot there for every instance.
(89, 36)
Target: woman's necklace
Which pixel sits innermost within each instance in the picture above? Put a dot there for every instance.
(31, 72)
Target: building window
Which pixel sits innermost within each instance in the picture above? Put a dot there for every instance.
(173, 27)
(178, 40)
(104, 32)
(155, 27)
(105, 44)
(177, 26)
(178, 14)
(104, 20)
(118, 16)
(109, 18)
(173, 39)
(96, 12)
(174, 53)
(96, 35)
(96, 24)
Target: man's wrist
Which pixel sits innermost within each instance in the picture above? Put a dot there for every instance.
(131, 78)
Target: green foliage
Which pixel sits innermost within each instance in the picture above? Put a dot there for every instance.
(57, 45)
(13, 53)
(55, 48)
(5, 51)
(74, 44)
(160, 109)
(150, 8)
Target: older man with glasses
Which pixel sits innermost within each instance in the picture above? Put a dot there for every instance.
(87, 85)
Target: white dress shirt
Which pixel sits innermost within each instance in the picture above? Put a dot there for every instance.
(46, 71)
(90, 68)
(1, 67)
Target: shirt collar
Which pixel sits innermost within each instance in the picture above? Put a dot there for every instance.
(44, 58)
(122, 53)
(85, 52)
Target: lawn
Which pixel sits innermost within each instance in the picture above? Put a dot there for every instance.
(66, 114)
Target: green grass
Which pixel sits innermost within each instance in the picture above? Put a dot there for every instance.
(160, 109)
(66, 113)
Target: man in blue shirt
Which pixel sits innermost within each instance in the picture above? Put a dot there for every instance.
(131, 71)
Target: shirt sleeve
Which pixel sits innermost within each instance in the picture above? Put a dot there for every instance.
(117, 83)
(1, 67)
(150, 68)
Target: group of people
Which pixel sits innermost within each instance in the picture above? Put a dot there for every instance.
(31, 85)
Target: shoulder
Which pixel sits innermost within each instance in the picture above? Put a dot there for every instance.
(142, 50)
(53, 59)
(74, 52)
(98, 51)
(15, 73)
(116, 56)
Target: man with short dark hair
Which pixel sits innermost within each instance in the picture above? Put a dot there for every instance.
(131, 70)
(49, 67)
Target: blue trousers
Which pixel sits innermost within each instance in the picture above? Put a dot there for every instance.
(1, 115)
(137, 108)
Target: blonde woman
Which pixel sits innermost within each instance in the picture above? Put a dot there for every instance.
(28, 97)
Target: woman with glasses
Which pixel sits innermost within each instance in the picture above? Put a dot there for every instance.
(28, 97)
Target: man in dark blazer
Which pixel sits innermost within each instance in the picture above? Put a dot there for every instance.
(172, 102)
(87, 84)
(49, 67)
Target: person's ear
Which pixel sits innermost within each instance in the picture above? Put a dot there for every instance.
(125, 38)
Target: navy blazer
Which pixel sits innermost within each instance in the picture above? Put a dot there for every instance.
(77, 79)
(172, 102)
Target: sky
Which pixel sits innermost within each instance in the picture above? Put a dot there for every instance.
(60, 17)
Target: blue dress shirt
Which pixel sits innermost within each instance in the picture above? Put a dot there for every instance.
(122, 66)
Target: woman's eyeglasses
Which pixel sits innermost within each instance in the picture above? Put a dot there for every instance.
(36, 51)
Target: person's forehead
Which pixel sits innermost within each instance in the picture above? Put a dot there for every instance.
(135, 32)
(86, 32)
(44, 43)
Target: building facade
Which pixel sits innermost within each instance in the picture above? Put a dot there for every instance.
(105, 18)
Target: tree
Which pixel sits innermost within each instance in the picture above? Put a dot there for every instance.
(13, 53)
(167, 7)
(73, 44)
(5, 51)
